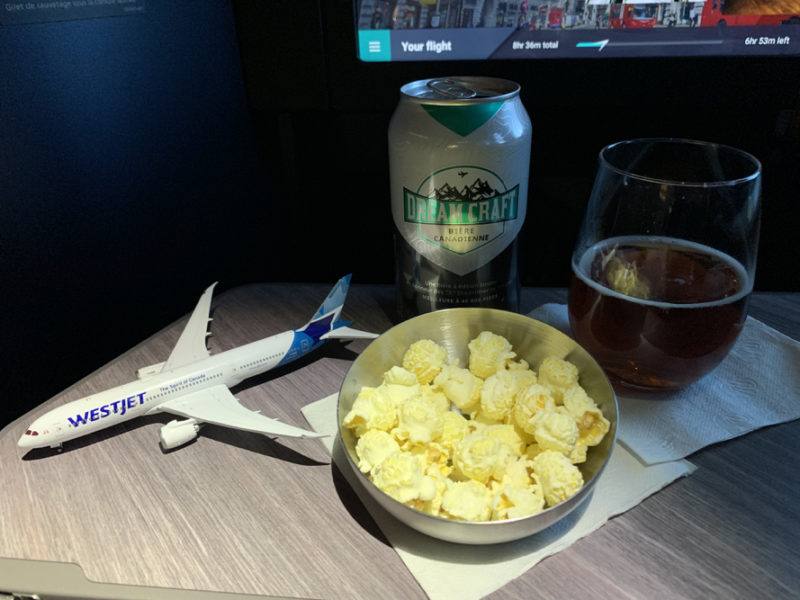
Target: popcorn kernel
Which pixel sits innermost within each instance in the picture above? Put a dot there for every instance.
(489, 353)
(373, 447)
(559, 478)
(467, 501)
(401, 476)
(425, 359)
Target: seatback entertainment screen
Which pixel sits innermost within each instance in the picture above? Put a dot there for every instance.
(420, 30)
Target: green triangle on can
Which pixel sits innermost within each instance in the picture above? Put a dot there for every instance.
(463, 119)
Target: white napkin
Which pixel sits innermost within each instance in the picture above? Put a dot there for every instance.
(756, 385)
(446, 570)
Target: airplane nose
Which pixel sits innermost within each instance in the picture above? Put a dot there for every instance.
(28, 439)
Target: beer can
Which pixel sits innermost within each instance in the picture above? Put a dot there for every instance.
(459, 152)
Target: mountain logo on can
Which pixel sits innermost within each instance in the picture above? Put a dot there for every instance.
(459, 216)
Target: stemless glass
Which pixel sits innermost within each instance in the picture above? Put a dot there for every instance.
(665, 259)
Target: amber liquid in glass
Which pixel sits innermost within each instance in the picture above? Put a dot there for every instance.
(657, 313)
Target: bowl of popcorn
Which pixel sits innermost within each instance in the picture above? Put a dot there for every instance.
(475, 425)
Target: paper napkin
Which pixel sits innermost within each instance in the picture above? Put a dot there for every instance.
(756, 385)
(446, 570)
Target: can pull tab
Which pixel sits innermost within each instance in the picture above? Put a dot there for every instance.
(451, 89)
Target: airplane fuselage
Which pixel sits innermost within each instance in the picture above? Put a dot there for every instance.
(145, 396)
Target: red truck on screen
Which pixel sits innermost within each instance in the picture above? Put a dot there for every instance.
(631, 16)
(555, 17)
(749, 12)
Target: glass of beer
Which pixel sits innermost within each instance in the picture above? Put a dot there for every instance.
(665, 259)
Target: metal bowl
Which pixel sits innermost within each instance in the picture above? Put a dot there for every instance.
(453, 329)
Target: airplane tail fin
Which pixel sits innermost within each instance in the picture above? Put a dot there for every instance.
(325, 324)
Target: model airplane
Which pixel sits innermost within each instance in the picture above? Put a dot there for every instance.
(193, 384)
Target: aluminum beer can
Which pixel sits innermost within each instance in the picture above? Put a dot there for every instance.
(459, 152)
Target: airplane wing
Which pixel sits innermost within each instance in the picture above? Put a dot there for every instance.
(218, 406)
(191, 346)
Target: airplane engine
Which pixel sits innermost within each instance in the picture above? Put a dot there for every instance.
(177, 433)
